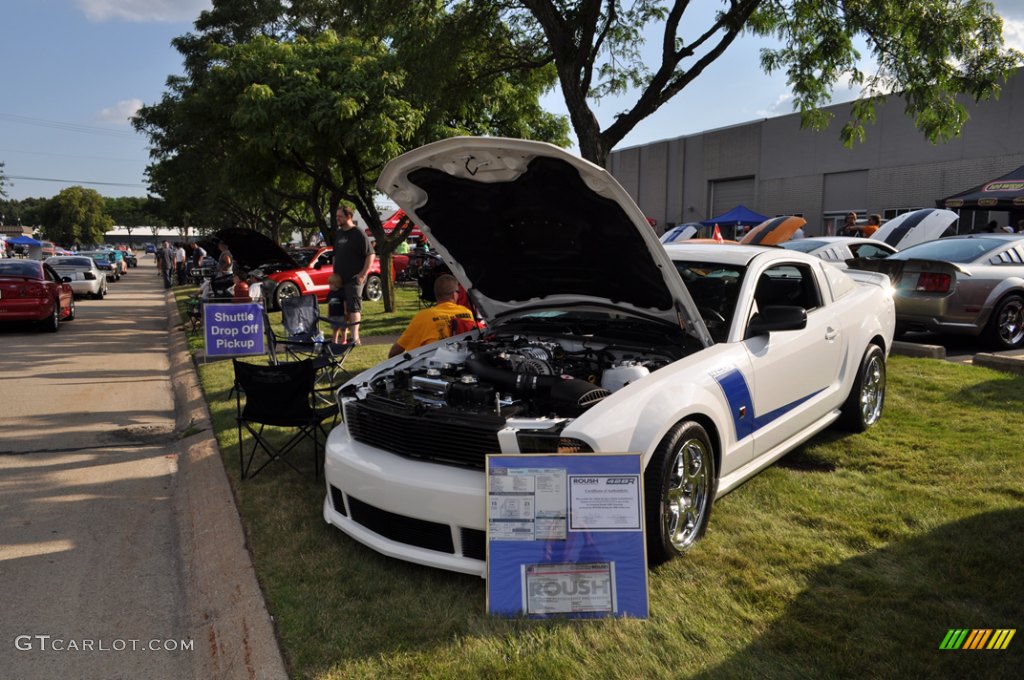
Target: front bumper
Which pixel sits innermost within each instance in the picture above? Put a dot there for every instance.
(417, 511)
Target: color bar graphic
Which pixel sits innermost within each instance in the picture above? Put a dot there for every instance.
(977, 638)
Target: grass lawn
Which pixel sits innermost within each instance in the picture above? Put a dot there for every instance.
(852, 557)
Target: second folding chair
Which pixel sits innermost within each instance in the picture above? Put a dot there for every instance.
(281, 396)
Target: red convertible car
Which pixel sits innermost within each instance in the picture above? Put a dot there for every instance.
(33, 291)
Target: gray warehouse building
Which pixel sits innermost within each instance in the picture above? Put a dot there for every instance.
(774, 167)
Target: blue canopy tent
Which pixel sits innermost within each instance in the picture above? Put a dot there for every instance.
(24, 241)
(738, 216)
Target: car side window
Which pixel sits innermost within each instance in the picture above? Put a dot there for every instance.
(869, 251)
(50, 274)
(325, 258)
(788, 284)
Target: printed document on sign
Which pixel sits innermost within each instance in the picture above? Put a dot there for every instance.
(526, 504)
(605, 503)
(569, 588)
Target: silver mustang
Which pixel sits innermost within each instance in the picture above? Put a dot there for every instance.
(965, 285)
(86, 278)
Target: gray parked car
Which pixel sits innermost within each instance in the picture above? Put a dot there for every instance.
(85, 276)
(966, 285)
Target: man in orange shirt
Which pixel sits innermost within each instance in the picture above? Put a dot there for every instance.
(874, 222)
(437, 322)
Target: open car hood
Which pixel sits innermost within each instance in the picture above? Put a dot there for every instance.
(526, 225)
(918, 226)
(252, 249)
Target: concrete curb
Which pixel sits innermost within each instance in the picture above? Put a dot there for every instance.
(1009, 364)
(913, 349)
(229, 621)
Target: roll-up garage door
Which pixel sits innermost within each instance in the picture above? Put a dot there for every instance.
(727, 194)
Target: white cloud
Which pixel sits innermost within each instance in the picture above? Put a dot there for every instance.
(1013, 33)
(142, 10)
(776, 108)
(121, 113)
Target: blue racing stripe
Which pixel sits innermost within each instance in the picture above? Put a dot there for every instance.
(737, 393)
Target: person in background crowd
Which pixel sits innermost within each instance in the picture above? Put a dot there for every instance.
(444, 319)
(798, 234)
(336, 308)
(1020, 226)
(225, 263)
(874, 222)
(198, 254)
(992, 227)
(850, 227)
(165, 262)
(181, 263)
(353, 257)
(240, 291)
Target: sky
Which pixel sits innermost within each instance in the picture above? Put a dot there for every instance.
(74, 71)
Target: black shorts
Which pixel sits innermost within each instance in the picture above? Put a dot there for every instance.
(353, 296)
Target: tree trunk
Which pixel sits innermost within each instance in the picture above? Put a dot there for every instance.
(387, 280)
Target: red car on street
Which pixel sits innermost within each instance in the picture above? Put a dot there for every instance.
(33, 291)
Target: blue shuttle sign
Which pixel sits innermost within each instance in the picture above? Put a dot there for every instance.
(233, 330)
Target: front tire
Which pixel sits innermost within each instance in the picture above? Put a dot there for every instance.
(679, 488)
(863, 407)
(285, 290)
(1005, 329)
(373, 290)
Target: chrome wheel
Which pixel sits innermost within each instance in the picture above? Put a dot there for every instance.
(373, 290)
(872, 390)
(687, 494)
(284, 291)
(679, 488)
(1010, 322)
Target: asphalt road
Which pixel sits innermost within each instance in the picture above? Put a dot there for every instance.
(91, 576)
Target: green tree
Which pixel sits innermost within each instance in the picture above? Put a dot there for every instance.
(76, 216)
(930, 51)
(280, 119)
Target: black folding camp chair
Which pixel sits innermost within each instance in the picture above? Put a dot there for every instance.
(280, 396)
(302, 339)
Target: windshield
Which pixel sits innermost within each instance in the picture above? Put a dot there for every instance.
(714, 288)
(69, 262)
(803, 245)
(950, 250)
(303, 256)
(19, 268)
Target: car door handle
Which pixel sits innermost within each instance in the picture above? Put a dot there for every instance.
(831, 333)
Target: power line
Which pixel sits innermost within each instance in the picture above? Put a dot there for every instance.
(68, 127)
(76, 181)
(68, 155)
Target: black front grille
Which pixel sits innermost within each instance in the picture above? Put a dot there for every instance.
(416, 532)
(433, 436)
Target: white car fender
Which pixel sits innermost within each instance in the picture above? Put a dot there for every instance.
(637, 417)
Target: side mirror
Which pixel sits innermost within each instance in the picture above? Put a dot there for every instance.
(65, 279)
(777, 318)
(318, 266)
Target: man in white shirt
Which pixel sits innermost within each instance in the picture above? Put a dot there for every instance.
(180, 263)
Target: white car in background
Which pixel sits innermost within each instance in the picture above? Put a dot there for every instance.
(85, 276)
(839, 249)
(712, 361)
